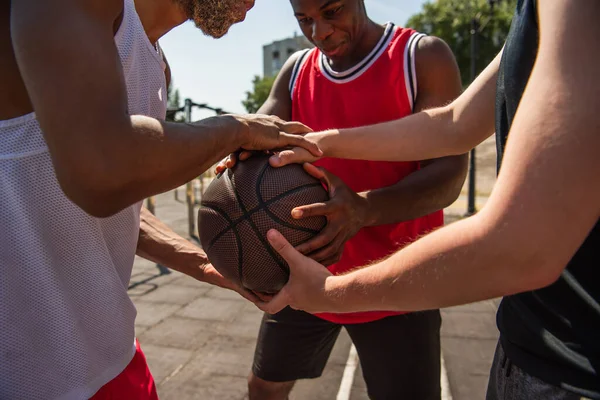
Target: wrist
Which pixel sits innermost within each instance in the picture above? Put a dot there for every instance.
(242, 132)
(193, 264)
(325, 141)
(370, 214)
(231, 134)
(336, 293)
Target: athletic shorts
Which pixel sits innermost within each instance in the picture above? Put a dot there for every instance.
(135, 382)
(399, 355)
(509, 382)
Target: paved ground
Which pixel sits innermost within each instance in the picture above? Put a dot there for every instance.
(199, 340)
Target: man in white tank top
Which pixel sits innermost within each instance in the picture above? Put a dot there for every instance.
(82, 143)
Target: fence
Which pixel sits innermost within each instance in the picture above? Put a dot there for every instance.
(194, 188)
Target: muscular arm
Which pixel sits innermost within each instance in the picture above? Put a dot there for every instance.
(546, 200)
(157, 242)
(104, 158)
(437, 184)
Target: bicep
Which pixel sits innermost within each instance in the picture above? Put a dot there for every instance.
(547, 197)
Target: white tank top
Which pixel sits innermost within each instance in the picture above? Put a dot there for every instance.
(66, 322)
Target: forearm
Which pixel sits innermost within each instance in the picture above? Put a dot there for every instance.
(160, 244)
(429, 189)
(147, 158)
(425, 135)
(459, 264)
(164, 155)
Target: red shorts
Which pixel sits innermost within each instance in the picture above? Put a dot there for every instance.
(135, 382)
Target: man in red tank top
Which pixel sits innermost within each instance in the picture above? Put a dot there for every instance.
(362, 73)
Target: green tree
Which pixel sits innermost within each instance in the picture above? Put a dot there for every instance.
(259, 94)
(450, 20)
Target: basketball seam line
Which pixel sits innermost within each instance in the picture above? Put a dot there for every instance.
(238, 240)
(257, 232)
(235, 222)
(262, 204)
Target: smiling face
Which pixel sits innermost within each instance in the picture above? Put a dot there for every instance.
(334, 26)
(215, 17)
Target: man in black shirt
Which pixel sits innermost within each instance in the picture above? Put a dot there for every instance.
(536, 242)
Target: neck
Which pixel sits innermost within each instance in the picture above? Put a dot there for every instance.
(371, 34)
(159, 17)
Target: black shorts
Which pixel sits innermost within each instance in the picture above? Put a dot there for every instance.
(399, 355)
(509, 382)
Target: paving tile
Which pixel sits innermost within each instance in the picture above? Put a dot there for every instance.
(172, 294)
(164, 361)
(468, 362)
(245, 324)
(211, 309)
(470, 325)
(218, 372)
(182, 333)
(187, 281)
(490, 306)
(150, 314)
(139, 330)
(188, 385)
(224, 294)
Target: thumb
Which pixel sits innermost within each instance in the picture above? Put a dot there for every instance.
(291, 156)
(329, 179)
(276, 304)
(284, 248)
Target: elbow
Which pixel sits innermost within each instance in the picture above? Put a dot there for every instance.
(530, 272)
(455, 168)
(544, 273)
(97, 190)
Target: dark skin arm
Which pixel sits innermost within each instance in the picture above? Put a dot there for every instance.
(106, 159)
(157, 242)
(433, 187)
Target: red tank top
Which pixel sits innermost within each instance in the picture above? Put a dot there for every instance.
(380, 88)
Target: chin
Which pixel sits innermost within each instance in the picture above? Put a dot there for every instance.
(212, 31)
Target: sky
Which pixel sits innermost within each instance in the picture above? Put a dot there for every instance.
(218, 72)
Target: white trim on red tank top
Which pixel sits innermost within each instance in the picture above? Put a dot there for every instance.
(360, 68)
(410, 71)
(302, 57)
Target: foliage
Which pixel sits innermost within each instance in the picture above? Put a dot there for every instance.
(450, 20)
(261, 87)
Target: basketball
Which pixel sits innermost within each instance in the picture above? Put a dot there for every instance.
(241, 205)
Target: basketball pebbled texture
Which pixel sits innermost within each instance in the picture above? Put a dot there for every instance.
(240, 206)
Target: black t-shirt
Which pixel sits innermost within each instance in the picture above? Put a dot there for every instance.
(552, 333)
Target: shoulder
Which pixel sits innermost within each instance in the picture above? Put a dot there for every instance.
(294, 62)
(289, 72)
(437, 72)
(433, 53)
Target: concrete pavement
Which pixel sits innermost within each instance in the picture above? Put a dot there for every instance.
(199, 340)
